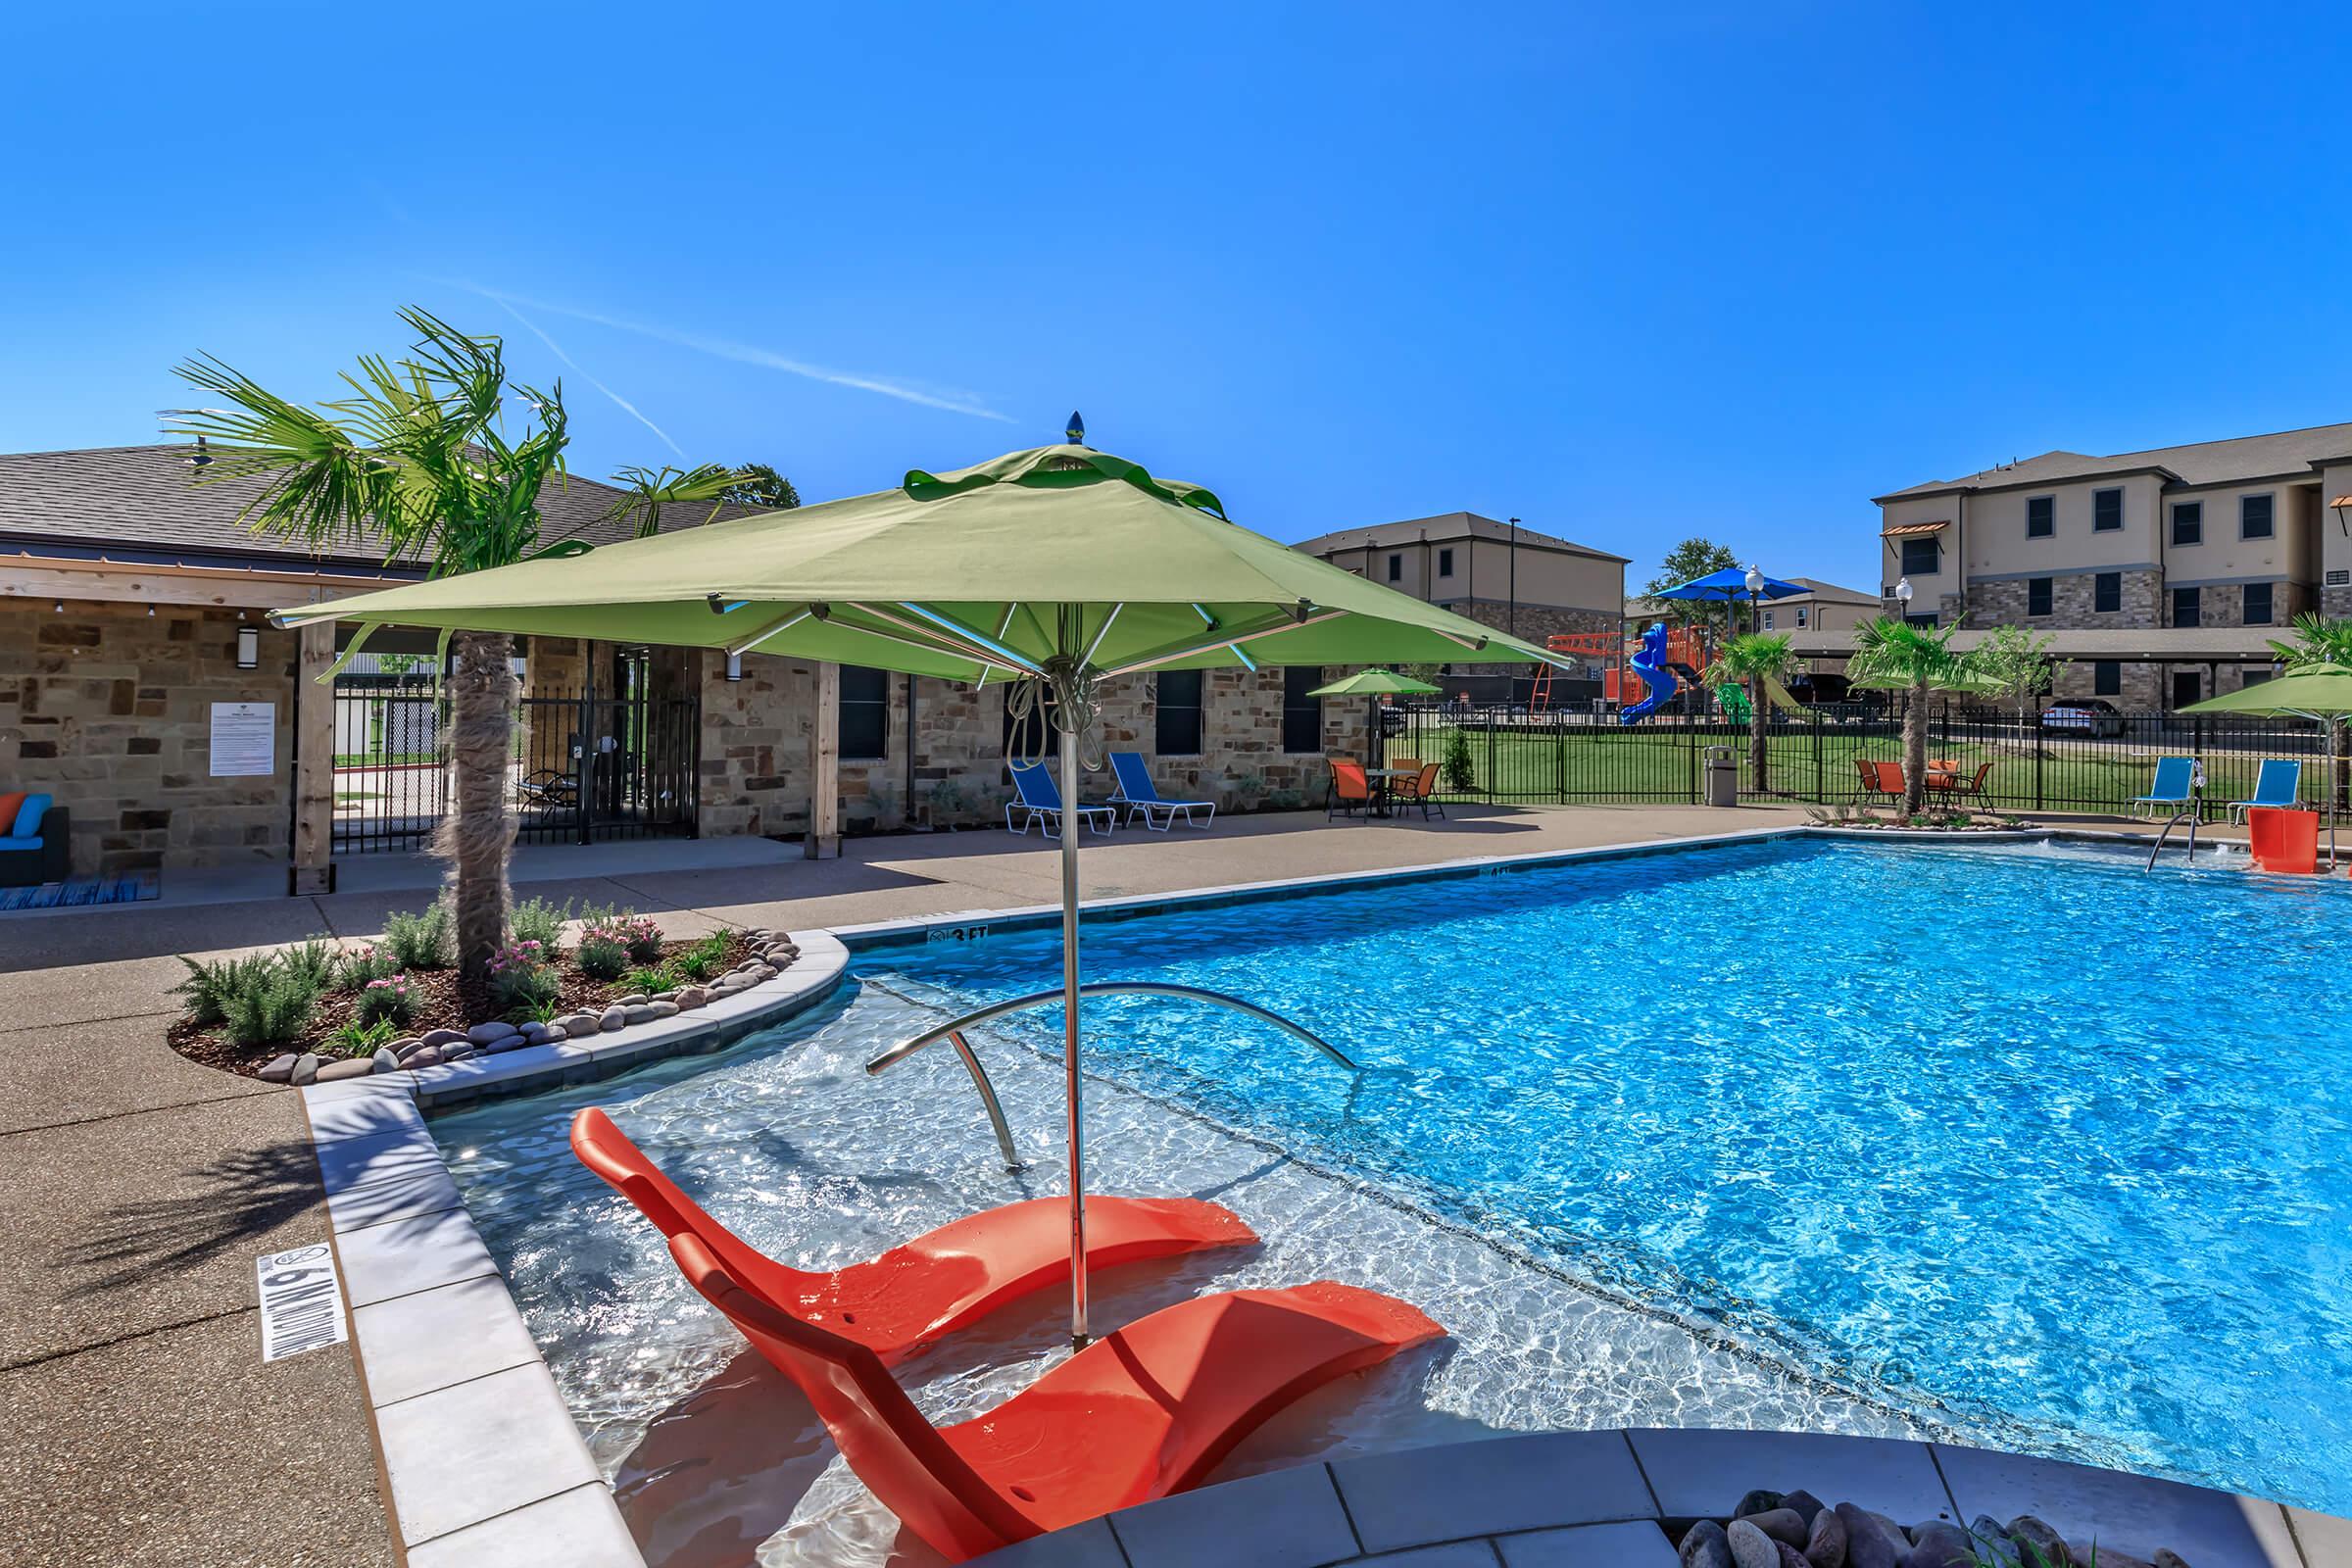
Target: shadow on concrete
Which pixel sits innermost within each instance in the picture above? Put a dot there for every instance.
(224, 1205)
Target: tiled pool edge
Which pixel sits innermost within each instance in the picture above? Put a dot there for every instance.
(481, 1463)
(1602, 1496)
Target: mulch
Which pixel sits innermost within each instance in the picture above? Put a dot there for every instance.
(443, 1001)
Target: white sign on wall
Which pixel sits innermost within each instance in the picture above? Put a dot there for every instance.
(244, 739)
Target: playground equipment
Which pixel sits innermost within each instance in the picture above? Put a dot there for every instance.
(1733, 701)
(1659, 682)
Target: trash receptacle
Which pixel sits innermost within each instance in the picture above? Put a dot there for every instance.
(1723, 778)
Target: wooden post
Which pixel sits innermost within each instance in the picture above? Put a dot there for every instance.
(824, 767)
(314, 869)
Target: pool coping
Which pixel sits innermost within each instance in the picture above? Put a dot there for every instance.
(475, 1416)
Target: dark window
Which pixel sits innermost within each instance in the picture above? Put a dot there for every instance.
(2185, 607)
(2106, 511)
(2188, 523)
(2255, 677)
(2258, 604)
(2041, 513)
(1395, 569)
(1178, 732)
(1922, 558)
(2106, 678)
(864, 714)
(1444, 563)
(2107, 591)
(1302, 715)
(1800, 617)
(1921, 621)
(2254, 517)
(2038, 596)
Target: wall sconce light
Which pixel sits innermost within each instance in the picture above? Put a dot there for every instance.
(249, 648)
(734, 666)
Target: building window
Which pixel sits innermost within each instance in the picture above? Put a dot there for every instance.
(1395, 569)
(864, 714)
(1445, 563)
(1768, 621)
(1923, 558)
(1800, 618)
(2107, 592)
(2042, 516)
(2258, 604)
(2185, 607)
(2255, 519)
(2106, 678)
(1302, 715)
(2255, 677)
(2106, 511)
(2188, 523)
(2038, 596)
(1920, 621)
(1178, 730)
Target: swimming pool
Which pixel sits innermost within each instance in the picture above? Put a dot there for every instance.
(2013, 1142)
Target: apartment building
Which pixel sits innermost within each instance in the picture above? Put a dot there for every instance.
(1497, 573)
(2230, 539)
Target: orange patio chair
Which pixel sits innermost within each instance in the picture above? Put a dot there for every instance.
(1143, 1412)
(1349, 790)
(934, 1285)
(1949, 782)
(1880, 779)
(1420, 790)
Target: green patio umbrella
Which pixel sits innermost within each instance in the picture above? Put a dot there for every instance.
(2318, 692)
(1379, 684)
(1053, 568)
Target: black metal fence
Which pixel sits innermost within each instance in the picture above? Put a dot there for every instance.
(2035, 762)
(586, 767)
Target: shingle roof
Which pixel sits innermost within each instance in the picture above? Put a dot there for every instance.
(142, 499)
(1446, 525)
(2202, 463)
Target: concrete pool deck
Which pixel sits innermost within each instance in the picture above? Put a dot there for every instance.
(139, 1190)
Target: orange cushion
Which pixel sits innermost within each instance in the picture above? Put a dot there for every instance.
(7, 810)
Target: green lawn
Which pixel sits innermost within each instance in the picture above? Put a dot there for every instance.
(1663, 764)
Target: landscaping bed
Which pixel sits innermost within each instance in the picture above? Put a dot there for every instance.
(1863, 818)
(320, 1009)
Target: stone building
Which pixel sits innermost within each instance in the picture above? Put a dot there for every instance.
(2236, 535)
(142, 684)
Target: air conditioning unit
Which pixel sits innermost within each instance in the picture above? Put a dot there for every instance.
(1886, 590)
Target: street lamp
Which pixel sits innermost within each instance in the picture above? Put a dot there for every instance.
(1755, 598)
(1902, 595)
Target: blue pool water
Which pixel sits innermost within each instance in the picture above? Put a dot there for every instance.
(2015, 1141)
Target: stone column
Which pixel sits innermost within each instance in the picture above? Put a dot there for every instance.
(824, 767)
(314, 869)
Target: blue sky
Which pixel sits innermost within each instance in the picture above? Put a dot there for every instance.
(1629, 272)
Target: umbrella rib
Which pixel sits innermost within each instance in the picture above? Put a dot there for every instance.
(1102, 632)
(932, 639)
(995, 645)
(1285, 620)
(774, 628)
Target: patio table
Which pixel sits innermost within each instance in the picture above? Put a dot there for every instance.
(1384, 780)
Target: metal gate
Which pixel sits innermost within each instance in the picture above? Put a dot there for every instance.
(586, 766)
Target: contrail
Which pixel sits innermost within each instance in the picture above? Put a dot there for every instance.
(947, 397)
(557, 349)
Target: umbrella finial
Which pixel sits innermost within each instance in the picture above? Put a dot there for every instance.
(1076, 433)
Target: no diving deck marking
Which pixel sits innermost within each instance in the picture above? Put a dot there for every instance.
(301, 1302)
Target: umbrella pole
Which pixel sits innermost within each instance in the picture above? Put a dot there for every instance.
(1069, 1028)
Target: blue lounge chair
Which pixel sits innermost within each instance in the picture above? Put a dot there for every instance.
(1138, 793)
(2175, 785)
(1040, 803)
(2279, 783)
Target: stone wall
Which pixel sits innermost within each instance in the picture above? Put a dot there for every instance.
(756, 749)
(109, 707)
(2003, 601)
(2336, 602)
(2223, 604)
(1534, 621)
(2145, 686)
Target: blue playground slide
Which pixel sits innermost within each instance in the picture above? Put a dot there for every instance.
(1657, 681)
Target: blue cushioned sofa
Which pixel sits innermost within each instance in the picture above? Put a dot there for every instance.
(34, 849)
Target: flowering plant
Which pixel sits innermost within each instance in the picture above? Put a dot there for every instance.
(391, 999)
(519, 977)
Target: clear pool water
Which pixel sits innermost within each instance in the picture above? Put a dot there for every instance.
(2018, 1142)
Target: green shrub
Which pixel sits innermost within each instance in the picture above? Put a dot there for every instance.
(600, 954)
(391, 999)
(641, 936)
(537, 920)
(362, 965)
(272, 1010)
(314, 960)
(1462, 775)
(521, 979)
(357, 1038)
(703, 960)
(658, 977)
(426, 941)
(211, 987)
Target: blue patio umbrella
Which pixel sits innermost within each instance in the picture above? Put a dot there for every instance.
(1728, 585)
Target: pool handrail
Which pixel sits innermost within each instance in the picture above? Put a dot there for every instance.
(953, 1032)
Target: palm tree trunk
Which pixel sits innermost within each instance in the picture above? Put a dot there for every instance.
(1757, 736)
(1915, 749)
(477, 832)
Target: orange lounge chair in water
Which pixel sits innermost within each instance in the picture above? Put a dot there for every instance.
(1142, 1413)
(934, 1285)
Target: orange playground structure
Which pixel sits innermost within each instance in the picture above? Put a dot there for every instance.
(1686, 647)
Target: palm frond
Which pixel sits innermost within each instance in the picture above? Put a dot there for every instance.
(1756, 656)
(646, 491)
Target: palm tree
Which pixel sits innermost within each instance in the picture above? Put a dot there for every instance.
(2320, 641)
(1752, 659)
(420, 453)
(1919, 657)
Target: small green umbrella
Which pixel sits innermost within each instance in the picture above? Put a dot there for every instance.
(2319, 692)
(1056, 569)
(1377, 683)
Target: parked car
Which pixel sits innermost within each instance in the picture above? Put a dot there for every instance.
(2089, 716)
